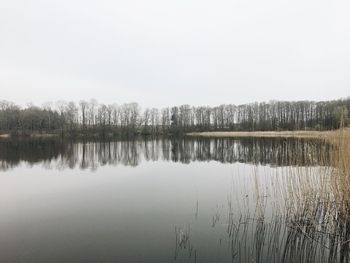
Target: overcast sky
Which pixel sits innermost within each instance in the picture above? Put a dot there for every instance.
(160, 52)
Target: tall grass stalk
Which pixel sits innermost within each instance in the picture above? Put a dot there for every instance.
(302, 214)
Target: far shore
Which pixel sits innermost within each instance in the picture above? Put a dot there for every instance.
(227, 134)
(34, 135)
(263, 134)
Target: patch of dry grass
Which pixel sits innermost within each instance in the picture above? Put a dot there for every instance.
(265, 134)
(43, 135)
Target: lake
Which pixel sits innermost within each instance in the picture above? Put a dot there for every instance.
(155, 200)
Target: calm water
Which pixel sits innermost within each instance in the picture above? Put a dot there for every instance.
(137, 201)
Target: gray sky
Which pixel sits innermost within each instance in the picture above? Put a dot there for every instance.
(159, 52)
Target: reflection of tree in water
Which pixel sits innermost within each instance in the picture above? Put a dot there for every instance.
(12, 152)
(276, 152)
(91, 155)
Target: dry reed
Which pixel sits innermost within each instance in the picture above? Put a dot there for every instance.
(307, 217)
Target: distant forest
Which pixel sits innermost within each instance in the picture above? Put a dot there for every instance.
(94, 119)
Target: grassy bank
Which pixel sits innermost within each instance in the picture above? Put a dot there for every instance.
(266, 134)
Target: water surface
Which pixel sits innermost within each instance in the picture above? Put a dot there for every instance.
(164, 200)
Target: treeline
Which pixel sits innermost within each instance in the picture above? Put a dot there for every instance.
(92, 118)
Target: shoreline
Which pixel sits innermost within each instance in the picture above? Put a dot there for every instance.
(34, 135)
(213, 134)
(263, 134)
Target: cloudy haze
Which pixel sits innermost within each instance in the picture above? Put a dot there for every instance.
(162, 53)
